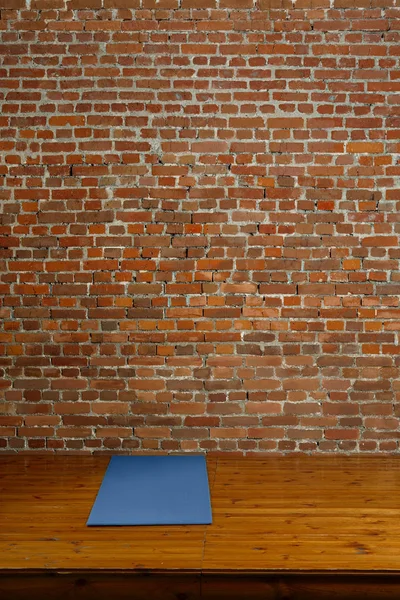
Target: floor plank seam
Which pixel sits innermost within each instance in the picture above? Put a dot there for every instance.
(207, 526)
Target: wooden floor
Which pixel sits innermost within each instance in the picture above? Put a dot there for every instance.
(283, 528)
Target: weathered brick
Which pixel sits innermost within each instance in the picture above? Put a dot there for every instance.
(199, 233)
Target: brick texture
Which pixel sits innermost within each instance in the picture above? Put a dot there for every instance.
(199, 225)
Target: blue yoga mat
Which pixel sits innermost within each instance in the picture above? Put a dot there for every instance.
(153, 490)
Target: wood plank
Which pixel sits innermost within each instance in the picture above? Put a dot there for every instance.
(99, 586)
(283, 527)
(300, 587)
(305, 514)
(44, 504)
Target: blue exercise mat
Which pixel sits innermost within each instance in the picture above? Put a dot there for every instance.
(153, 490)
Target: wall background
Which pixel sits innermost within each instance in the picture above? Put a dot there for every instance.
(200, 225)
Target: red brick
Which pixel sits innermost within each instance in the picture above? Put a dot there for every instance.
(268, 4)
(195, 4)
(380, 241)
(195, 255)
(12, 4)
(236, 3)
(365, 147)
(82, 4)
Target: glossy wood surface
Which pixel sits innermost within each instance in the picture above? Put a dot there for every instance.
(305, 514)
(294, 515)
(44, 505)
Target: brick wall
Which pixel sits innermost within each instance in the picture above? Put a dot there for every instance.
(199, 225)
